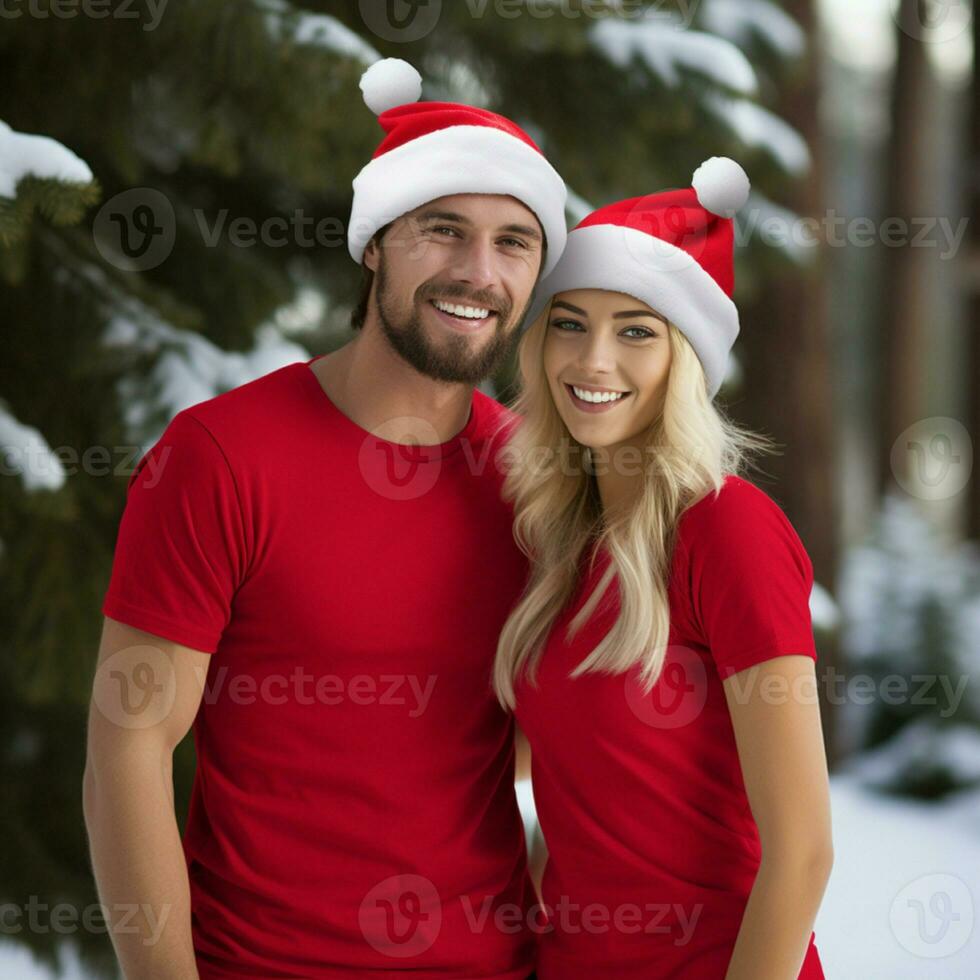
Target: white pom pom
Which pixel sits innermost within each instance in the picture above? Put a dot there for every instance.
(722, 186)
(389, 83)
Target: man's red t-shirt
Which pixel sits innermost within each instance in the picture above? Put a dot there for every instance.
(353, 810)
(653, 847)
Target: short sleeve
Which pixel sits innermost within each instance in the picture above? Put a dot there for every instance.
(750, 579)
(181, 549)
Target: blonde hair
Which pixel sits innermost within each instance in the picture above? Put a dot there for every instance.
(689, 450)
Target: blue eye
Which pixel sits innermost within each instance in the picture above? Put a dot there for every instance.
(643, 332)
(560, 324)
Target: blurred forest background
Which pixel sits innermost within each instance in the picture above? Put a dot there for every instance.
(174, 190)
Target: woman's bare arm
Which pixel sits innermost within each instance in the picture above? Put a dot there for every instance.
(776, 718)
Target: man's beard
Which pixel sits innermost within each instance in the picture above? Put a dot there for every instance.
(454, 360)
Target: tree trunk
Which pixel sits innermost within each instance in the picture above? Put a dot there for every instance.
(788, 388)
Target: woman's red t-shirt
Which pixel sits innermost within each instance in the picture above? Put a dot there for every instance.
(653, 847)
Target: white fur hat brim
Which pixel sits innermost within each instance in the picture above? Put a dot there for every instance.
(457, 160)
(665, 277)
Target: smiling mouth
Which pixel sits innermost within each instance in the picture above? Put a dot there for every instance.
(463, 314)
(588, 399)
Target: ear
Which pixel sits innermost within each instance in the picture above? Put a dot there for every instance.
(372, 254)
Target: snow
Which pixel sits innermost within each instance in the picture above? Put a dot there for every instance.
(756, 126)
(921, 744)
(190, 369)
(739, 20)
(319, 30)
(899, 902)
(886, 581)
(18, 963)
(666, 49)
(823, 609)
(24, 154)
(26, 452)
(777, 226)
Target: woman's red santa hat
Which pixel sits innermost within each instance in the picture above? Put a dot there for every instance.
(673, 251)
(433, 149)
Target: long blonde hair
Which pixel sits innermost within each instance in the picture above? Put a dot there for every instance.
(689, 449)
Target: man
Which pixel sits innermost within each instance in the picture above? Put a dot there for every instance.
(312, 570)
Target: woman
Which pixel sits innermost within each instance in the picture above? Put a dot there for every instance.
(661, 660)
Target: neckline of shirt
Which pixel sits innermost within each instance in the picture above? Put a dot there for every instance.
(425, 454)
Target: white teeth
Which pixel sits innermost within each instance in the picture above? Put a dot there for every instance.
(470, 312)
(596, 396)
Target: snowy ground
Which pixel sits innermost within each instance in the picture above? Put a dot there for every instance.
(900, 904)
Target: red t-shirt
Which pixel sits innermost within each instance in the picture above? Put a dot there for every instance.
(653, 847)
(353, 809)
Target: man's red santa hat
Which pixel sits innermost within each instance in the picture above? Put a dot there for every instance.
(433, 149)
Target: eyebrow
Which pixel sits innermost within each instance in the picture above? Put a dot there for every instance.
(622, 315)
(461, 219)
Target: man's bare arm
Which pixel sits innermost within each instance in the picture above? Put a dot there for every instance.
(145, 696)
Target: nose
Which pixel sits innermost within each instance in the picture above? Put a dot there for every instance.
(474, 264)
(596, 353)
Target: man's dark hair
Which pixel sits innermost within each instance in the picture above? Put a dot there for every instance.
(359, 314)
